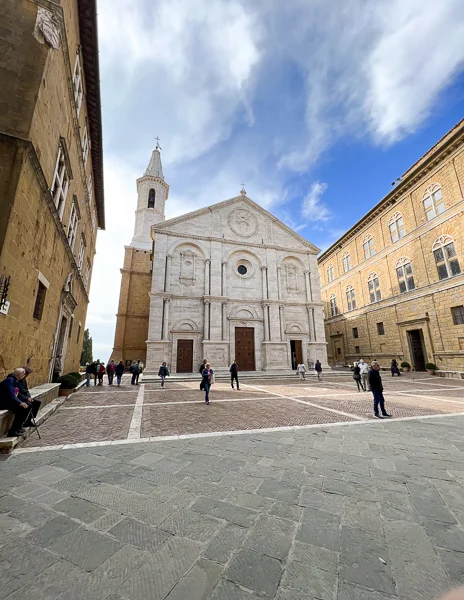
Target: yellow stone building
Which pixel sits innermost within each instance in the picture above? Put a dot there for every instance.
(393, 285)
(51, 180)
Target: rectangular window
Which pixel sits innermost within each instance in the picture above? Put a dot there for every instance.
(434, 204)
(380, 329)
(346, 263)
(351, 299)
(330, 274)
(80, 256)
(87, 274)
(368, 248)
(39, 301)
(355, 332)
(73, 223)
(60, 184)
(357, 350)
(94, 220)
(447, 261)
(78, 85)
(85, 145)
(333, 307)
(374, 290)
(458, 315)
(78, 332)
(90, 188)
(405, 278)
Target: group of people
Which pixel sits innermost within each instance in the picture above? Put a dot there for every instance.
(15, 397)
(301, 371)
(97, 370)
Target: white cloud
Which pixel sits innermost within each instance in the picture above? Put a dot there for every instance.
(312, 207)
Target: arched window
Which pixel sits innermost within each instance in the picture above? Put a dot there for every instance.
(346, 260)
(396, 226)
(151, 198)
(405, 276)
(445, 257)
(433, 201)
(333, 306)
(351, 298)
(374, 288)
(368, 246)
(330, 273)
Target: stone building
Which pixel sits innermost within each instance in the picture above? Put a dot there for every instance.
(51, 180)
(393, 285)
(226, 282)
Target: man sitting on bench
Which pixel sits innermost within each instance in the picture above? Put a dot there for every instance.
(25, 396)
(9, 400)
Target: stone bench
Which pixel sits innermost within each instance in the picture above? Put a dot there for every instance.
(46, 393)
(450, 374)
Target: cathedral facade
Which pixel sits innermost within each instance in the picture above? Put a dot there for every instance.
(227, 282)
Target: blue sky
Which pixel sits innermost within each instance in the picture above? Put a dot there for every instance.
(317, 106)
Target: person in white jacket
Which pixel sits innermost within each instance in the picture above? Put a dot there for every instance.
(301, 370)
(364, 375)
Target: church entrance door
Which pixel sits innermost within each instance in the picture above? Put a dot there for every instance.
(245, 348)
(184, 356)
(297, 353)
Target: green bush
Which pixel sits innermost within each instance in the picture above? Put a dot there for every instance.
(68, 382)
(431, 367)
(77, 376)
(405, 365)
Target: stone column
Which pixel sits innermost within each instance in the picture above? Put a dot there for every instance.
(282, 323)
(224, 321)
(309, 292)
(167, 287)
(206, 320)
(207, 264)
(166, 319)
(266, 322)
(224, 279)
(279, 283)
(310, 323)
(264, 281)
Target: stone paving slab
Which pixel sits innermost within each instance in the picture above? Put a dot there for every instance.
(101, 399)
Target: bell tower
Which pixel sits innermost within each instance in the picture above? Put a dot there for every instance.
(152, 193)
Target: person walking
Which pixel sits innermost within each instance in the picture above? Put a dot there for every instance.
(318, 370)
(110, 367)
(119, 370)
(207, 380)
(163, 373)
(234, 375)
(134, 369)
(301, 370)
(364, 375)
(357, 376)
(88, 373)
(101, 372)
(202, 366)
(394, 368)
(375, 382)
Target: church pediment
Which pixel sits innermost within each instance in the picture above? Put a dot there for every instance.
(238, 218)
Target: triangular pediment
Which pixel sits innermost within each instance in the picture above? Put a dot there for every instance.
(238, 217)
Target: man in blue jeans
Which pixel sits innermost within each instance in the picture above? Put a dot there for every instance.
(375, 382)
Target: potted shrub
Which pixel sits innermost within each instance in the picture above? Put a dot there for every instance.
(67, 383)
(405, 366)
(77, 376)
(431, 368)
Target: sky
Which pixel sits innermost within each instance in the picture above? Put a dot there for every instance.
(316, 106)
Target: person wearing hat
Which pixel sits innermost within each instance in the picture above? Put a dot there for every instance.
(25, 396)
(375, 382)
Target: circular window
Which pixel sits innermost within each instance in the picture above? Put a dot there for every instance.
(242, 269)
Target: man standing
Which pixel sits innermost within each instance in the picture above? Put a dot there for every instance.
(135, 373)
(9, 401)
(375, 382)
(318, 369)
(110, 371)
(163, 373)
(364, 375)
(234, 375)
(202, 366)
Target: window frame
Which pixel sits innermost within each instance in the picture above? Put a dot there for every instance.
(330, 273)
(88, 268)
(373, 284)
(398, 230)
(78, 84)
(440, 245)
(39, 303)
(85, 144)
(380, 328)
(355, 333)
(351, 298)
(434, 204)
(73, 224)
(333, 305)
(457, 313)
(346, 262)
(81, 254)
(368, 247)
(404, 278)
(61, 181)
(90, 188)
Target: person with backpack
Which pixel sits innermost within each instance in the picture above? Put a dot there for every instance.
(110, 367)
(119, 370)
(234, 375)
(207, 380)
(163, 373)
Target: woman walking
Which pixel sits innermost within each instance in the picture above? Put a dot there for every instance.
(301, 370)
(163, 373)
(357, 377)
(119, 370)
(394, 368)
(101, 372)
(207, 380)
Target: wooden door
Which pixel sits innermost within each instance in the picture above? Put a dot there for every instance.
(298, 352)
(245, 348)
(184, 356)
(417, 349)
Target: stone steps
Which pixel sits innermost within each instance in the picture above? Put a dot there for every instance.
(225, 375)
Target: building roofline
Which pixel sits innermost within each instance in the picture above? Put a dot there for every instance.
(88, 27)
(409, 178)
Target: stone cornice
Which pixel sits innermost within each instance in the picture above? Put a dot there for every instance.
(227, 299)
(412, 177)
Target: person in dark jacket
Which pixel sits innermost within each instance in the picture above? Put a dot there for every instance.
(25, 396)
(9, 401)
(202, 366)
(234, 375)
(207, 380)
(88, 373)
(357, 376)
(119, 370)
(375, 381)
(394, 368)
(110, 367)
(318, 370)
(163, 373)
(135, 373)
(101, 372)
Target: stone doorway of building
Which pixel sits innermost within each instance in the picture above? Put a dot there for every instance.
(245, 348)
(61, 344)
(184, 356)
(338, 351)
(296, 351)
(417, 348)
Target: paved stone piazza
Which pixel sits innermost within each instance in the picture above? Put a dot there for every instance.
(285, 490)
